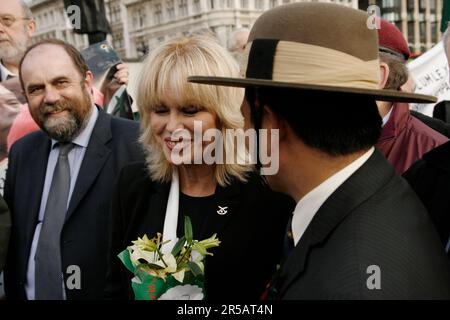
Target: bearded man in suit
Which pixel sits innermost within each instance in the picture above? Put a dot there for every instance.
(59, 182)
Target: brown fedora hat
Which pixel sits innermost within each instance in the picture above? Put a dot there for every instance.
(318, 47)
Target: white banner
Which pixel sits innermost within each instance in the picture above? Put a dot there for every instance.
(430, 74)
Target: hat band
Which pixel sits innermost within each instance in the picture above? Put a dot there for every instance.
(295, 62)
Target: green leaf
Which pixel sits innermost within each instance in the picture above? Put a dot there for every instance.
(188, 229)
(196, 271)
(154, 266)
(178, 246)
(124, 256)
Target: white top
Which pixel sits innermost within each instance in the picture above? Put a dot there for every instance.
(307, 207)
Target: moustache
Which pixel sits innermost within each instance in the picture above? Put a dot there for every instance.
(55, 107)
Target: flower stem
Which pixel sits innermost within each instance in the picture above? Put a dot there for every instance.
(160, 256)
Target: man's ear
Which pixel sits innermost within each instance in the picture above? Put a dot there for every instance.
(31, 27)
(89, 80)
(384, 75)
(272, 120)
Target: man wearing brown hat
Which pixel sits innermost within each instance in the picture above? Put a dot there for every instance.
(404, 139)
(359, 230)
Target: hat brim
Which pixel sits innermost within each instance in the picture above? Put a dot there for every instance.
(381, 95)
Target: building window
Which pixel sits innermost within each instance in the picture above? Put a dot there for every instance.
(183, 8)
(410, 5)
(141, 17)
(259, 4)
(423, 4)
(170, 9)
(158, 13)
(244, 4)
(197, 7)
(388, 4)
(114, 14)
(142, 48)
(118, 41)
(230, 3)
(273, 3)
(286, 1)
(212, 4)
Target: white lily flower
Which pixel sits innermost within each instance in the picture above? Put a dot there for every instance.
(201, 266)
(179, 276)
(196, 256)
(170, 261)
(137, 254)
(186, 292)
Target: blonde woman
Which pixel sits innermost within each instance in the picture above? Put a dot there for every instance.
(223, 198)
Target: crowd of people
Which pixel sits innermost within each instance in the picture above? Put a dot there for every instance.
(336, 220)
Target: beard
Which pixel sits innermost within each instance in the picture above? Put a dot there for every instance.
(13, 50)
(64, 128)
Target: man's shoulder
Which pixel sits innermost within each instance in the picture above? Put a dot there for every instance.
(391, 233)
(439, 156)
(425, 134)
(31, 140)
(123, 124)
(138, 181)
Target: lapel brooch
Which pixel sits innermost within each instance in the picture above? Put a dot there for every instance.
(222, 210)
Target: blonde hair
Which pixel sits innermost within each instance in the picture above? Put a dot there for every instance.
(167, 68)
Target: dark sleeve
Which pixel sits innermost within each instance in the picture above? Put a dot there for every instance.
(5, 228)
(116, 285)
(435, 124)
(10, 276)
(431, 184)
(9, 180)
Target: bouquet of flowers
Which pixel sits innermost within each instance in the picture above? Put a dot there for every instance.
(178, 275)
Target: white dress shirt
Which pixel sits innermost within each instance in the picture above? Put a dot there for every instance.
(308, 206)
(387, 116)
(75, 158)
(4, 73)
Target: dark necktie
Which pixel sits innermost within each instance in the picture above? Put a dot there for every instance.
(271, 292)
(48, 270)
(288, 243)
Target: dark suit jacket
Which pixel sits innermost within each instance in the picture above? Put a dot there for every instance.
(434, 123)
(251, 233)
(5, 226)
(84, 237)
(372, 219)
(430, 179)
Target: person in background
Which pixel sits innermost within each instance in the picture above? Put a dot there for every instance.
(430, 176)
(9, 109)
(238, 40)
(404, 138)
(5, 226)
(17, 27)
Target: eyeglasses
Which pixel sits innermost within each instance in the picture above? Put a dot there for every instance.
(8, 20)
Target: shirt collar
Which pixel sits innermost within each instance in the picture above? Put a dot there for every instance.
(387, 116)
(308, 206)
(4, 72)
(83, 138)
